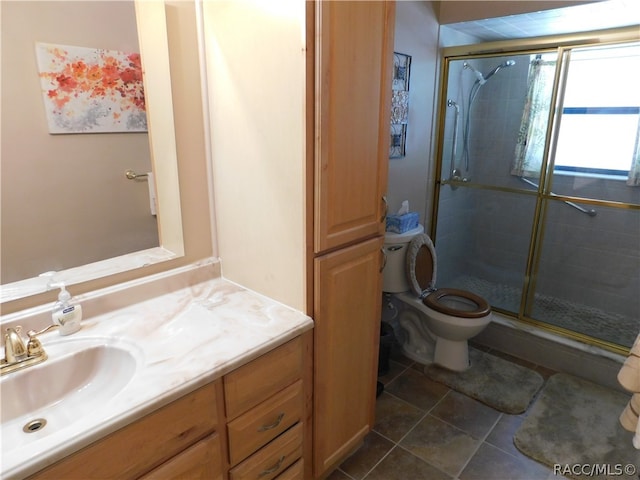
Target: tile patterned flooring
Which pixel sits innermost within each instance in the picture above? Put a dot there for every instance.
(425, 430)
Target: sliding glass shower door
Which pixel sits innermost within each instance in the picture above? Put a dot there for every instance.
(546, 232)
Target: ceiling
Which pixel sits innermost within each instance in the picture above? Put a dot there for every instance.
(592, 16)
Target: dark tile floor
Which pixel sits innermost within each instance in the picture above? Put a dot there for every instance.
(425, 430)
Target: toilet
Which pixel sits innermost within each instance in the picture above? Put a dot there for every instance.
(436, 323)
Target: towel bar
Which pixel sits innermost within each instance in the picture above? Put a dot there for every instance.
(591, 212)
(131, 175)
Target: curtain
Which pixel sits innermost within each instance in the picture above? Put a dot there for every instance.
(634, 170)
(533, 127)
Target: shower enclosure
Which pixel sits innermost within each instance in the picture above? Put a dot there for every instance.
(537, 202)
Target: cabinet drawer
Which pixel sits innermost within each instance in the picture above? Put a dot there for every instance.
(137, 448)
(263, 423)
(202, 460)
(268, 462)
(294, 472)
(247, 386)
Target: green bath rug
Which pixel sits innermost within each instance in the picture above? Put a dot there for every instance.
(575, 423)
(502, 385)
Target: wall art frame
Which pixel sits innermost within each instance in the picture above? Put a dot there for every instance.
(91, 90)
(399, 104)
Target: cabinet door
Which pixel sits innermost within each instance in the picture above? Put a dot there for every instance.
(347, 330)
(202, 460)
(273, 458)
(354, 58)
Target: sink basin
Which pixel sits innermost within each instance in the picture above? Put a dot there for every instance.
(76, 380)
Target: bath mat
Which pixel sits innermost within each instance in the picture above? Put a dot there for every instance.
(502, 385)
(575, 422)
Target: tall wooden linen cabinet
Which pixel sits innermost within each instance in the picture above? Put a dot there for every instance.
(350, 58)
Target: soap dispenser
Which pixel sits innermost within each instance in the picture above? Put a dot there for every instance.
(67, 314)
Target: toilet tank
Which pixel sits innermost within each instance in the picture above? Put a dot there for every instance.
(394, 277)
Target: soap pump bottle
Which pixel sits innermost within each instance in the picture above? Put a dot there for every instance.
(67, 314)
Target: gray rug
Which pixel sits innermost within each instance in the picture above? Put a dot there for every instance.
(575, 422)
(502, 385)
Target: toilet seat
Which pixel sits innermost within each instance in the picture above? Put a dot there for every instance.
(474, 305)
(421, 272)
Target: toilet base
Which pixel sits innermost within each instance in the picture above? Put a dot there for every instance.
(423, 356)
(452, 355)
(418, 344)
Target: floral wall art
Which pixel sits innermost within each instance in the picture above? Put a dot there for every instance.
(399, 104)
(89, 90)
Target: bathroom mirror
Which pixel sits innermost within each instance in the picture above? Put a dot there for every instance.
(77, 182)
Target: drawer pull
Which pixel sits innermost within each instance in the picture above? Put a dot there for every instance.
(264, 428)
(275, 468)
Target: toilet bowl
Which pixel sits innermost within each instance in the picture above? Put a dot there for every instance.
(437, 323)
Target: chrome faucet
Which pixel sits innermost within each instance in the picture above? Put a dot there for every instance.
(17, 355)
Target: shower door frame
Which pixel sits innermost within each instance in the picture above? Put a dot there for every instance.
(559, 44)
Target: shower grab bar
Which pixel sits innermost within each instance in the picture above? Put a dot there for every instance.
(455, 173)
(591, 212)
(454, 147)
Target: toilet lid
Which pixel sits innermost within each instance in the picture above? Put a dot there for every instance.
(457, 303)
(421, 265)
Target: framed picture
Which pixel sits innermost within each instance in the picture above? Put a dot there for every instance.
(401, 71)
(397, 146)
(90, 90)
(399, 104)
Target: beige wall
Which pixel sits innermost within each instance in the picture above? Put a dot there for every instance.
(192, 161)
(65, 200)
(255, 59)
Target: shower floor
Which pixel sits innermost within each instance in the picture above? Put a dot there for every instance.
(584, 319)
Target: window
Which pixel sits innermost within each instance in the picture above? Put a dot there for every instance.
(600, 112)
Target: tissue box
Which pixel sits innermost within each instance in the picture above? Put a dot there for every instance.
(402, 223)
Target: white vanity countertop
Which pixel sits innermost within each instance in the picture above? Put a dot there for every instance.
(182, 340)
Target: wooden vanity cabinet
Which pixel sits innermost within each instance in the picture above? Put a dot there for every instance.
(251, 423)
(352, 105)
(265, 407)
(294, 472)
(347, 318)
(179, 433)
(200, 461)
(352, 99)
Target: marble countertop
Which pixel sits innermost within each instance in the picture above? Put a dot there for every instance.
(180, 340)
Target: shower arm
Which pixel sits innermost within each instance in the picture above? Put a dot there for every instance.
(591, 212)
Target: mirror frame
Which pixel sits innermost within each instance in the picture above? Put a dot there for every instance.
(154, 51)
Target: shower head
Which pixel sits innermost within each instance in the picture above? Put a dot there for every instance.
(482, 79)
(508, 63)
(478, 74)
